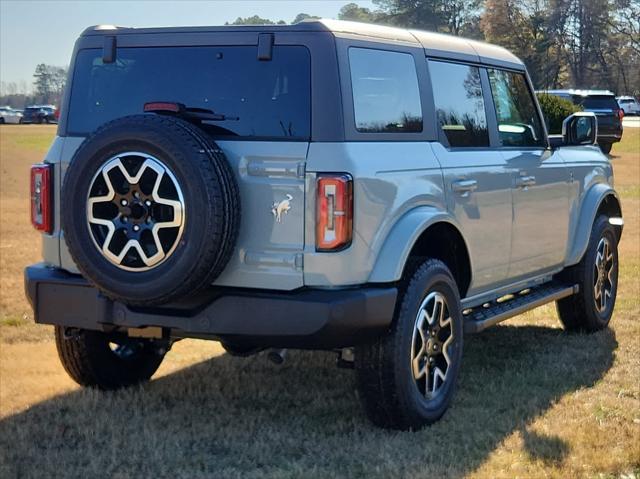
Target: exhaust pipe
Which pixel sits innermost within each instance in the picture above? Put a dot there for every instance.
(277, 356)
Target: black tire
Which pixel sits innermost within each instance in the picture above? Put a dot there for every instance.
(1, 120)
(211, 204)
(387, 387)
(605, 147)
(240, 350)
(580, 313)
(90, 360)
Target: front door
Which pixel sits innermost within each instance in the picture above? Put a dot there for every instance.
(541, 184)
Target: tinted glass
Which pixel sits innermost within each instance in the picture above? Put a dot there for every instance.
(598, 102)
(270, 98)
(518, 120)
(386, 97)
(457, 93)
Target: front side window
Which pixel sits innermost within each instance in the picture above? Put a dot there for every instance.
(386, 97)
(518, 120)
(457, 92)
(261, 98)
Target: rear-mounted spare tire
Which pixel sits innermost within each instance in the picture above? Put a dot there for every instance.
(150, 209)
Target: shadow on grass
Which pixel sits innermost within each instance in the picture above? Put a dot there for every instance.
(229, 417)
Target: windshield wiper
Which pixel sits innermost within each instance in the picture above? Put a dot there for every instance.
(188, 113)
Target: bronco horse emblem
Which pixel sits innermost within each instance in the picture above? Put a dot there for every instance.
(281, 207)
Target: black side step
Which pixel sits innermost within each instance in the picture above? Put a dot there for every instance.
(481, 317)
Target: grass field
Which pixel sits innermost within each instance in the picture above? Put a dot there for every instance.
(533, 401)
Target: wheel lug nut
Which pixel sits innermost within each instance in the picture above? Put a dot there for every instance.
(136, 228)
(148, 203)
(124, 202)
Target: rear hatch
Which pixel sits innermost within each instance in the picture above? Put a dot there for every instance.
(265, 136)
(606, 109)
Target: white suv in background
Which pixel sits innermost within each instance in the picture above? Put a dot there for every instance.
(629, 105)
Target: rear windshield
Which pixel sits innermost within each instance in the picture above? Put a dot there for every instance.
(269, 98)
(598, 102)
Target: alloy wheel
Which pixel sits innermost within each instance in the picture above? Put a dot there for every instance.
(135, 211)
(432, 336)
(603, 281)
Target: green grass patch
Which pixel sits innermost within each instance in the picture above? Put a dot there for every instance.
(36, 139)
(12, 321)
(629, 192)
(630, 143)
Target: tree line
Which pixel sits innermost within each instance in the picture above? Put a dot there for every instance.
(48, 85)
(564, 43)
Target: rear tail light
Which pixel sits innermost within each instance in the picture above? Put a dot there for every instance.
(41, 197)
(621, 114)
(334, 212)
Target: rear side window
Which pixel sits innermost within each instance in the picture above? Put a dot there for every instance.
(386, 97)
(598, 102)
(457, 93)
(518, 120)
(269, 98)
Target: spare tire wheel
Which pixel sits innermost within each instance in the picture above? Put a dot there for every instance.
(150, 209)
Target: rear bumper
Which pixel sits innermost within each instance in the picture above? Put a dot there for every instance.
(310, 319)
(609, 137)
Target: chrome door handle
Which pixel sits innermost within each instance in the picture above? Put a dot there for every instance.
(525, 181)
(465, 186)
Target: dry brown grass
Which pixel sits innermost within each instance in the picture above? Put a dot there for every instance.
(532, 402)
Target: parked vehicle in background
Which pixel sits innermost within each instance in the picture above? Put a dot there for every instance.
(40, 114)
(328, 185)
(9, 115)
(603, 103)
(629, 105)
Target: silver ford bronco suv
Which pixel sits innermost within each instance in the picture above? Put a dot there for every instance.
(328, 185)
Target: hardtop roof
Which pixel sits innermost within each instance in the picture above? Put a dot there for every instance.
(432, 43)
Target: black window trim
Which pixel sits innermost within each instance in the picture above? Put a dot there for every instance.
(428, 132)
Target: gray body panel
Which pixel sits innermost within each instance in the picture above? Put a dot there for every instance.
(390, 180)
(540, 211)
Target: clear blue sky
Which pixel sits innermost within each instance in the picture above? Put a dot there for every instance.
(33, 32)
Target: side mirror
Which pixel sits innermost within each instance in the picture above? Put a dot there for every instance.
(580, 128)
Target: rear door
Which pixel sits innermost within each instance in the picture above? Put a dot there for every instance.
(477, 177)
(541, 184)
(265, 132)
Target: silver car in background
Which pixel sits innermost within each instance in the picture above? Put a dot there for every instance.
(9, 115)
